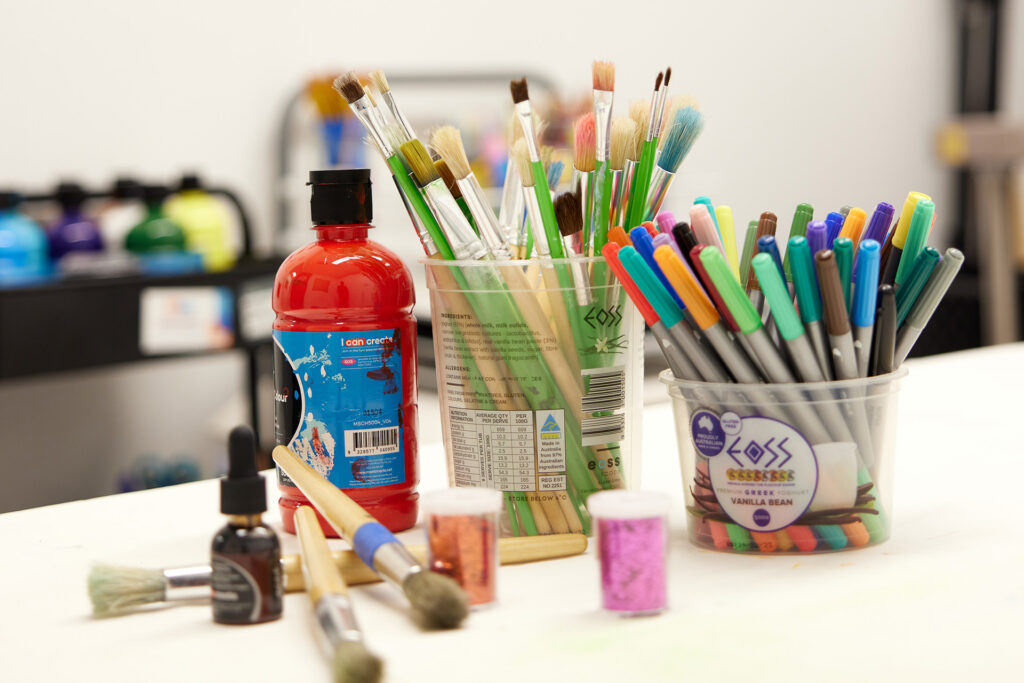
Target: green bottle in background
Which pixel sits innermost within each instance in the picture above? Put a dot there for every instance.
(157, 232)
(205, 220)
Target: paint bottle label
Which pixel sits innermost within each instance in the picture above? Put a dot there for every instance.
(339, 404)
(246, 587)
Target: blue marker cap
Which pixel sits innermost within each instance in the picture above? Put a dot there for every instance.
(706, 201)
(834, 221)
(862, 313)
(766, 244)
(817, 237)
(644, 245)
(649, 285)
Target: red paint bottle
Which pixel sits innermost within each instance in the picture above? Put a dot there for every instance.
(345, 358)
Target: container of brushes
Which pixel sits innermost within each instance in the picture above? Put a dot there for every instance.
(541, 395)
(782, 468)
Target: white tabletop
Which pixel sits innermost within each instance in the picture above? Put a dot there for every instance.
(943, 599)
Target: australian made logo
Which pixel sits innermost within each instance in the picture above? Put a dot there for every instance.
(603, 317)
(550, 429)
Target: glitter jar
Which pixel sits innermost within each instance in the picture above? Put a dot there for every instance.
(462, 539)
(632, 545)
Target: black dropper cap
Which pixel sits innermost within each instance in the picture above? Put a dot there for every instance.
(9, 200)
(70, 195)
(341, 197)
(243, 491)
(127, 188)
(155, 194)
(190, 181)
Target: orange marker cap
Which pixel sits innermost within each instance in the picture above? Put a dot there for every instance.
(686, 287)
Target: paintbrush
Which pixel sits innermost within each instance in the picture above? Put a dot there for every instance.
(332, 607)
(604, 95)
(427, 228)
(461, 238)
(684, 131)
(521, 100)
(510, 209)
(114, 589)
(381, 82)
(582, 181)
(437, 601)
(642, 175)
(447, 141)
(569, 215)
(623, 137)
(449, 181)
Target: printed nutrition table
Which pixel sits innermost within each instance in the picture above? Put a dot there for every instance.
(493, 448)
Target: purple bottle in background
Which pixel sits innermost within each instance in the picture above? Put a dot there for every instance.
(74, 232)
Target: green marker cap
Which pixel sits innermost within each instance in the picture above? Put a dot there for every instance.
(805, 282)
(774, 290)
(732, 294)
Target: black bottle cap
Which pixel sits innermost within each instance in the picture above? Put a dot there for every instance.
(155, 194)
(190, 181)
(127, 188)
(243, 491)
(341, 197)
(70, 195)
(9, 200)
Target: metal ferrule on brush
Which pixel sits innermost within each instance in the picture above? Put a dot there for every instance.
(582, 185)
(618, 177)
(525, 115)
(619, 209)
(603, 124)
(463, 241)
(394, 562)
(661, 180)
(491, 234)
(367, 115)
(508, 218)
(540, 238)
(187, 583)
(580, 276)
(429, 248)
(389, 100)
(337, 621)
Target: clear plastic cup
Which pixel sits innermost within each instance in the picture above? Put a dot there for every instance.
(787, 468)
(632, 547)
(540, 385)
(462, 539)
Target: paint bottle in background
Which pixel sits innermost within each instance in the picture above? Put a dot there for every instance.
(123, 212)
(73, 231)
(24, 254)
(206, 223)
(245, 555)
(156, 232)
(345, 358)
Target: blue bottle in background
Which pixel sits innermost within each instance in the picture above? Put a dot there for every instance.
(24, 254)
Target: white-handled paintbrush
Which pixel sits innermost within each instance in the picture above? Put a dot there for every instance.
(351, 662)
(437, 601)
(623, 139)
(604, 95)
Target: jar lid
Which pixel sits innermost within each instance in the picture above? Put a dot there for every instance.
(461, 501)
(622, 504)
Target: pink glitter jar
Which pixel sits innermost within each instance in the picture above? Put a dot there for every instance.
(632, 545)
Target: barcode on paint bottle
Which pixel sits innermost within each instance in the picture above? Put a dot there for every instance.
(604, 389)
(371, 441)
(604, 393)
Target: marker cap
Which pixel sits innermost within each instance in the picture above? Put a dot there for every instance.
(804, 281)
(862, 313)
(775, 292)
(735, 298)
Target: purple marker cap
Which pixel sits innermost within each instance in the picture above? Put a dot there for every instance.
(663, 239)
(877, 230)
(817, 237)
(665, 221)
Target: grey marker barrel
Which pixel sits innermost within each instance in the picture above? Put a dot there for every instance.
(680, 365)
(819, 340)
(707, 365)
(929, 299)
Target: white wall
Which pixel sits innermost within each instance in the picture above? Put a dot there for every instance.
(832, 103)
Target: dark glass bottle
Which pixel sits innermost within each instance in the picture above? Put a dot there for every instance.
(246, 554)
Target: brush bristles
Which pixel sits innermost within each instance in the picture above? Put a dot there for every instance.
(521, 158)
(547, 153)
(658, 80)
(419, 161)
(686, 126)
(568, 213)
(640, 112)
(447, 177)
(369, 94)
(584, 143)
(353, 663)
(623, 138)
(349, 86)
(520, 92)
(448, 142)
(675, 104)
(113, 588)
(437, 601)
(379, 80)
(604, 75)
(668, 75)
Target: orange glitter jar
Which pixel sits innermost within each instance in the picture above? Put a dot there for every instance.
(462, 539)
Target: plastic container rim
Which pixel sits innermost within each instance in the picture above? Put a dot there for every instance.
(672, 382)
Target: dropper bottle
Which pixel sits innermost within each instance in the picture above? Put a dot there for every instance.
(246, 553)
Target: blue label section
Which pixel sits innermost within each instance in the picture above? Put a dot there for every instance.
(345, 404)
(368, 538)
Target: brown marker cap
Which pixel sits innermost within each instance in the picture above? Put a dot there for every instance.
(766, 225)
(836, 320)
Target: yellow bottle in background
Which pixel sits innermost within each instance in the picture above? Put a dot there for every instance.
(206, 223)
